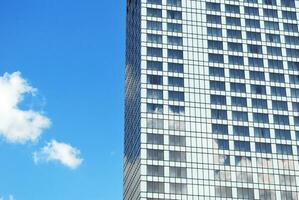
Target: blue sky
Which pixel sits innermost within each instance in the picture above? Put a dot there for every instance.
(73, 53)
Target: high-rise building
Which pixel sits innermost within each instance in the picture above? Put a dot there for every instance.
(212, 100)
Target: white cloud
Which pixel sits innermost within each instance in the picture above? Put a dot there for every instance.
(61, 152)
(16, 125)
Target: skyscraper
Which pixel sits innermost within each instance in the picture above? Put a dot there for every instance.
(212, 90)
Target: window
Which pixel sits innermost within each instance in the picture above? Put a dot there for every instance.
(176, 96)
(176, 140)
(154, 108)
(284, 149)
(281, 119)
(154, 154)
(154, 79)
(267, 194)
(219, 129)
(232, 46)
(270, 13)
(172, 27)
(290, 27)
(260, 118)
(271, 25)
(177, 156)
(282, 134)
(234, 34)
(261, 147)
(240, 116)
(215, 45)
(223, 192)
(177, 110)
(214, 19)
(251, 11)
(294, 79)
(252, 23)
(294, 93)
(238, 87)
(236, 73)
(242, 146)
(258, 89)
(259, 76)
(254, 48)
(275, 64)
(154, 52)
(239, 101)
(155, 123)
(292, 40)
(293, 66)
(153, 25)
(177, 3)
(217, 32)
(245, 193)
(213, 6)
(241, 130)
(259, 103)
(279, 105)
(175, 54)
(154, 94)
(154, 139)
(232, 8)
(262, 132)
(273, 38)
(155, 187)
(176, 125)
(158, 2)
(217, 85)
(269, 2)
(171, 14)
(296, 121)
(178, 188)
(152, 12)
(218, 100)
(175, 67)
(253, 36)
(255, 62)
(288, 3)
(278, 78)
(216, 71)
(274, 51)
(235, 60)
(233, 21)
(154, 65)
(155, 170)
(218, 114)
(222, 144)
(154, 38)
(251, 1)
(289, 15)
(178, 172)
(295, 107)
(176, 81)
(216, 58)
(278, 91)
(173, 40)
(293, 53)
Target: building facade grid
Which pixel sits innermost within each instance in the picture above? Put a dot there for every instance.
(212, 108)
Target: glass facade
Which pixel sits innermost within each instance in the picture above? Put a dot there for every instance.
(212, 100)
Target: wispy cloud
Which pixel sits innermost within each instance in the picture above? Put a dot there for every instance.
(10, 197)
(60, 152)
(16, 125)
